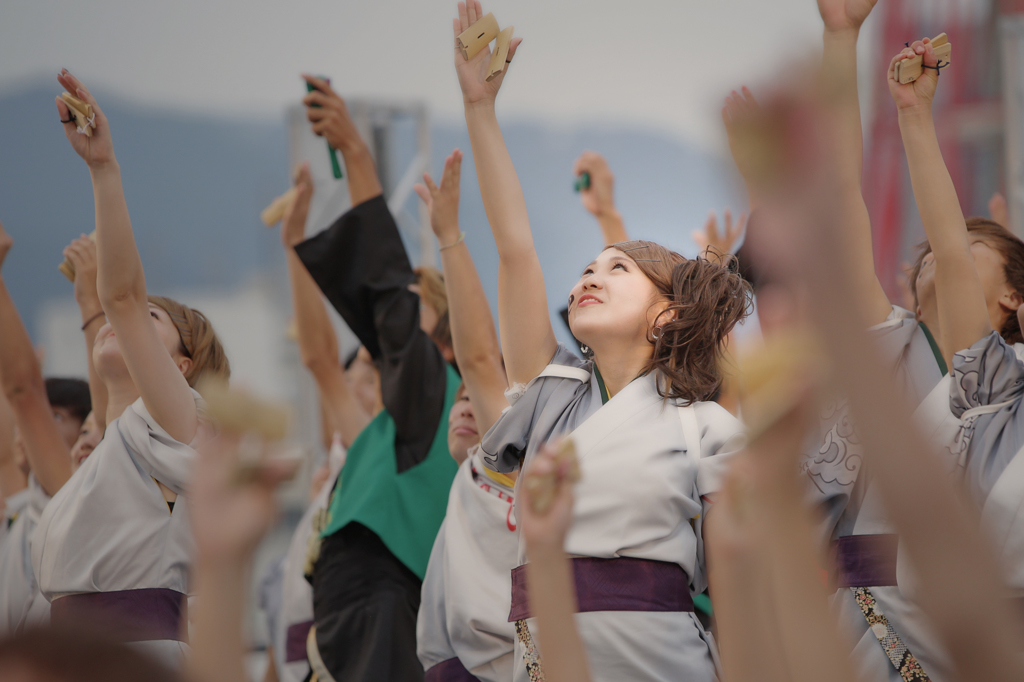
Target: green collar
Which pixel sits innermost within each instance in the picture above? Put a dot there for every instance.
(935, 349)
(600, 383)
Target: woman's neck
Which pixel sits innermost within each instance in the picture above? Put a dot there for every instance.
(619, 369)
(120, 394)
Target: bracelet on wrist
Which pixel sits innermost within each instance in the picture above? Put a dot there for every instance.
(462, 238)
(93, 319)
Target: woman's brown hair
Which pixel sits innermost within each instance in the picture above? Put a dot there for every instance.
(198, 340)
(706, 298)
(433, 293)
(1009, 246)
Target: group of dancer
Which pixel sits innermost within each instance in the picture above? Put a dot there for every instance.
(449, 537)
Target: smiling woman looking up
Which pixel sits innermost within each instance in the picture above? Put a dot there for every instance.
(650, 449)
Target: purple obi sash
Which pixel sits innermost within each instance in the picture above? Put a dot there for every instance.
(125, 616)
(623, 584)
(451, 670)
(865, 560)
(295, 641)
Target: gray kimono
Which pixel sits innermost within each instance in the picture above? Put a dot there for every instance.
(986, 394)
(648, 470)
(852, 505)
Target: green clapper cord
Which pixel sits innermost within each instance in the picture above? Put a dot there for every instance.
(331, 151)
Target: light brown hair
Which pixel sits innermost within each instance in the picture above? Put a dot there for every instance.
(198, 340)
(1012, 250)
(432, 291)
(708, 297)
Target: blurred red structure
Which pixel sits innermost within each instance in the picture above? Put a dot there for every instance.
(968, 115)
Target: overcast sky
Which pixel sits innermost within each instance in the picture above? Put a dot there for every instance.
(661, 63)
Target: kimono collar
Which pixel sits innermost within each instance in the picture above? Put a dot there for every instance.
(935, 349)
(604, 389)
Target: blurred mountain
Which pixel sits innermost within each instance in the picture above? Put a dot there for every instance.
(196, 184)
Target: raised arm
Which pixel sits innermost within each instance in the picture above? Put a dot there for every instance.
(936, 524)
(12, 478)
(549, 575)
(475, 343)
(843, 19)
(23, 385)
(527, 338)
(963, 313)
(121, 283)
(82, 254)
(327, 111)
(318, 343)
(598, 198)
(230, 515)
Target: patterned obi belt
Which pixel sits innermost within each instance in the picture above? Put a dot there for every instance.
(624, 584)
(125, 616)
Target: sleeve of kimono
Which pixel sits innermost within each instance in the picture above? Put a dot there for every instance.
(720, 439)
(985, 374)
(361, 266)
(433, 645)
(893, 335)
(38, 499)
(154, 450)
(506, 442)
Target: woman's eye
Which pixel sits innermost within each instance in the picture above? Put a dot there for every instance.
(619, 265)
(588, 271)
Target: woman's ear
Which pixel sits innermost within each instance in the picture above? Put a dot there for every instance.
(1011, 300)
(664, 314)
(184, 365)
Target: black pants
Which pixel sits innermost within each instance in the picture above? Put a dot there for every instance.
(365, 603)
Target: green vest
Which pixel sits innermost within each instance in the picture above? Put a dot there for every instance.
(405, 509)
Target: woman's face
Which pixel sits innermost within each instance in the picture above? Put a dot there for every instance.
(88, 438)
(107, 354)
(991, 268)
(613, 298)
(462, 432)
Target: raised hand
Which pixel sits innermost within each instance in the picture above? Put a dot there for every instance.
(741, 109)
(328, 113)
(998, 211)
(724, 241)
(98, 149)
(920, 93)
(231, 515)
(598, 199)
(293, 225)
(473, 73)
(546, 531)
(840, 15)
(5, 244)
(82, 254)
(443, 202)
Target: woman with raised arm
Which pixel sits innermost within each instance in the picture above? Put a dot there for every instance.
(48, 414)
(124, 566)
(463, 629)
(346, 412)
(391, 497)
(650, 447)
(986, 435)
